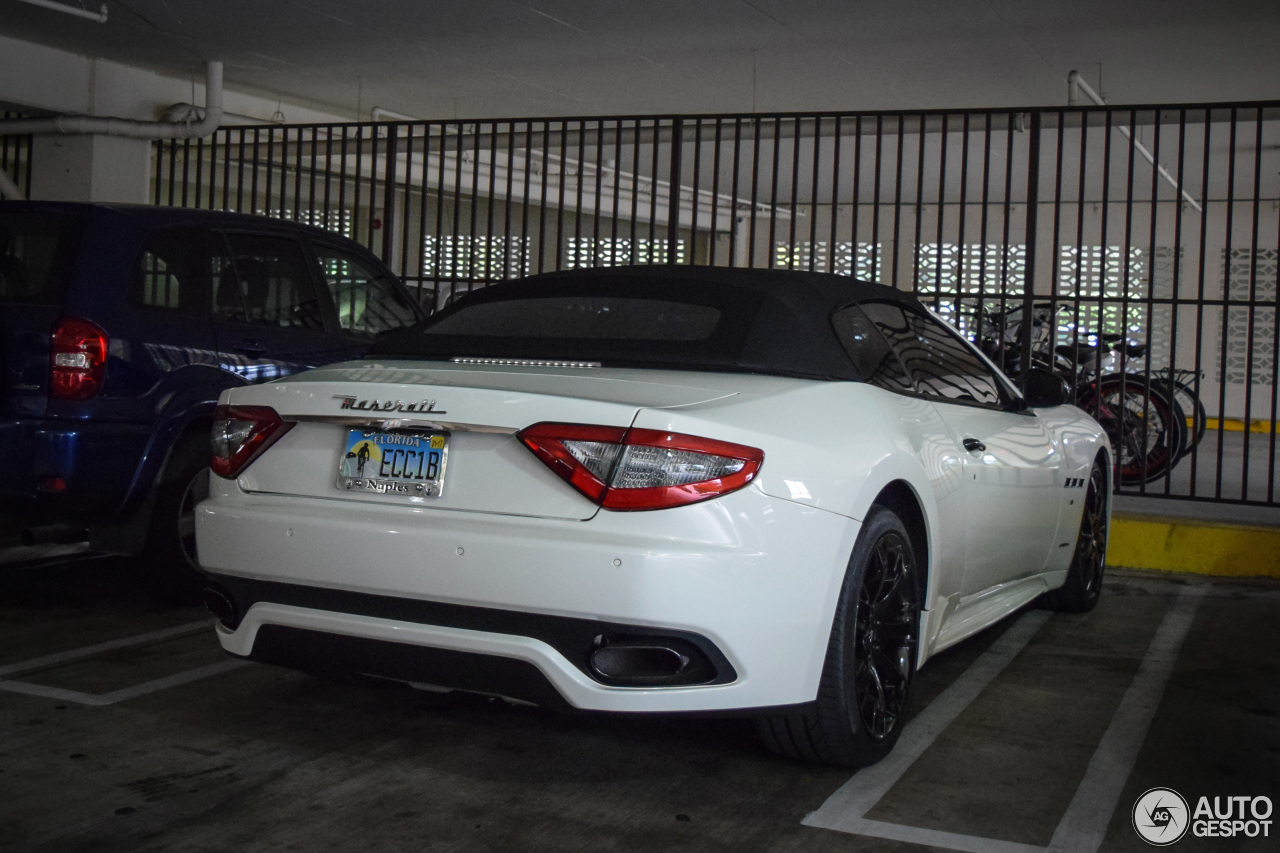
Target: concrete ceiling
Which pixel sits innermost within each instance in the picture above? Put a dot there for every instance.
(494, 58)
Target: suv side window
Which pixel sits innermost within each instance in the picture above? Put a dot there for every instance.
(171, 272)
(871, 354)
(938, 361)
(266, 280)
(367, 301)
(37, 251)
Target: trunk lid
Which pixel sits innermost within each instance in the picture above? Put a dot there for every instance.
(478, 408)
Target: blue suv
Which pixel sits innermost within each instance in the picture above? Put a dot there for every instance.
(120, 326)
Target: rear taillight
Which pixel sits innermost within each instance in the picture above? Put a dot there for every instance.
(630, 469)
(241, 434)
(77, 359)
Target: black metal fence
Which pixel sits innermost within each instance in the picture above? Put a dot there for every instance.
(1155, 225)
(15, 157)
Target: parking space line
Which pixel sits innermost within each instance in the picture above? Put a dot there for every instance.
(845, 809)
(109, 646)
(99, 700)
(62, 694)
(933, 837)
(58, 693)
(168, 681)
(1084, 825)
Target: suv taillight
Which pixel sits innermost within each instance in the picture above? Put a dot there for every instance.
(632, 469)
(240, 435)
(77, 359)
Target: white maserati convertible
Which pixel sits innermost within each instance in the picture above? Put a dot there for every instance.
(658, 489)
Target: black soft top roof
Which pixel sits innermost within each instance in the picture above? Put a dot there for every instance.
(769, 321)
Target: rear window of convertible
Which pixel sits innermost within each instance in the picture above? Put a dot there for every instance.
(665, 318)
(597, 318)
(626, 328)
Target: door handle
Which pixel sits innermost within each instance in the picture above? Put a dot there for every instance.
(973, 445)
(248, 346)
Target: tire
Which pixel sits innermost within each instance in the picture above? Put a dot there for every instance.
(1147, 428)
(871, 657)
(169, 555)
(1080, 592)
(1185, 396)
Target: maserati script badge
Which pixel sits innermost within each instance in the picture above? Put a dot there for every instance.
(421, 407)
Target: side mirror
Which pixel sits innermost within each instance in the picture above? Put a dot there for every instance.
(1045, 388)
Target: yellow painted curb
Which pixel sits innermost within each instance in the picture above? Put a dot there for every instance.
(1235, 425)
(1180, 545)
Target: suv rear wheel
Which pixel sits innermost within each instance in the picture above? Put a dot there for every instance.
(173, 568)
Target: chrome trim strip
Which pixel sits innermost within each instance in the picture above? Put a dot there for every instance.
(525, 362)
(401, 423)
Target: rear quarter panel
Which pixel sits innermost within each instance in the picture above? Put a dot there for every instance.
(835, 446)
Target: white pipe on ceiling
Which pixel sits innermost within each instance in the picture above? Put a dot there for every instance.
(1076, 85)
(8, 189)
(100, 16)
(382, 114)
(130, 127)
(183, 111)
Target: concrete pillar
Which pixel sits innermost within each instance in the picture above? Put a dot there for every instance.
(91, 168)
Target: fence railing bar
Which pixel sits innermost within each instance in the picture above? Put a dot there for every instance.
(1226, 284)
(897, 205)
(1253, 295)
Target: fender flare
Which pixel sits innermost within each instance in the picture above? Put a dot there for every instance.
(898, 468)
(194, 396)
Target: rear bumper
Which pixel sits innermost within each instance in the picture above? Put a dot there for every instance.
(750, 580)
(97, 463)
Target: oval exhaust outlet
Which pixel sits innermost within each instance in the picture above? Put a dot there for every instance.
(220, 605)
(638, 662)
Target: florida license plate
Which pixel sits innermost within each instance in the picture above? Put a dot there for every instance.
(393, 463)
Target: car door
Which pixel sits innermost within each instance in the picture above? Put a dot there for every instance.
(1012, 473)
(172, 322)
(271, 321)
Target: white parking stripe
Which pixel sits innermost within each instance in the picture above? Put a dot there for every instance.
(168, 681)
(844, 810)
(1084, 825)
(936, 838)
(103, 699)
(109, 646)
(43, 692)
(62, 694)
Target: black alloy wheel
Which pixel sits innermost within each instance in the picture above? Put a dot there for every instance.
(1083, 586)
(862, 698)
(886, 628)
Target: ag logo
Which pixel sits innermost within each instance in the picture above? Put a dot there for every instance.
(1161, 816)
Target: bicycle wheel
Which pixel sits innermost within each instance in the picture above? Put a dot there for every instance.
(1185, 396)
(1147, 428)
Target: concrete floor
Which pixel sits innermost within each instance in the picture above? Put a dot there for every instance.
(124, 728)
